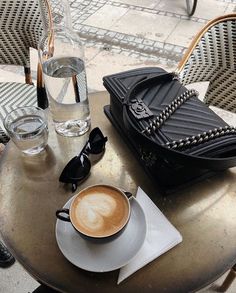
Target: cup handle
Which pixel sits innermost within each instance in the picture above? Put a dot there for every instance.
(128, 194)
(63, 218)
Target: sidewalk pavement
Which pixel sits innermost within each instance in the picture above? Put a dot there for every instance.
(121, 35)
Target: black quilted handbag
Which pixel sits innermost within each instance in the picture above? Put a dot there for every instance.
(175, 136)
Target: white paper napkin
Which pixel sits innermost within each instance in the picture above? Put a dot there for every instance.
(161, 236)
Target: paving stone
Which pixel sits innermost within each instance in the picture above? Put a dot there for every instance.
(112, 16)
(140, 46)
(138, 40)
(148, 42)
(178, 49)
(142, 3)
(210, 9)
(150, 26)
(124, 42)
(168, 47)
(115, 41)
(230, 8)
(159, 44)
(77, 26)
(116, 50)
(125, 53)
(184, 33)
(101, 32)
(111, 34)
(134, 55)
(119, 36)
(93, 30)
(148, 49)
(84, 28)
(186, 17)
(100, 37)
(177, 6)
(129, 38)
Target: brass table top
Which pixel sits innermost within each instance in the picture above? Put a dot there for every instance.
(30, 193)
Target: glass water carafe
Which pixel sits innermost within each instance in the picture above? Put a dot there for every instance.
(62, 58)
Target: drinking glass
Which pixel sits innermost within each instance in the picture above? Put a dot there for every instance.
(27, 127)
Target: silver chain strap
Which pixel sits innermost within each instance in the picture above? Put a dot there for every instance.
(200, 138)
(158, 121)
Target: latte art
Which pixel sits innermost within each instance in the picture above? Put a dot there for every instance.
(100, 211)
(93, 209)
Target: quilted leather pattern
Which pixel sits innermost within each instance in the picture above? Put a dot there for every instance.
(190, 119)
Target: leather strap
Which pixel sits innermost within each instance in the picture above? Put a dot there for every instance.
(182, 158)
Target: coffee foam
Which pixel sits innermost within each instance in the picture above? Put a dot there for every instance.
(100, 211)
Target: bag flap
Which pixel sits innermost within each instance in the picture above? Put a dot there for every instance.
(118, 84)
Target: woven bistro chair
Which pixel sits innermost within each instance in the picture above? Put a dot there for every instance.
(22, 23)
(212, 57)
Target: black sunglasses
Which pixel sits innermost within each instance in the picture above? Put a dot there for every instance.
(79, 167)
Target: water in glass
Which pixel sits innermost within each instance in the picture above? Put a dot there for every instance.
(30, 133)
(66, 85)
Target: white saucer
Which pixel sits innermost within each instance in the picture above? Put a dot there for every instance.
(103, 257)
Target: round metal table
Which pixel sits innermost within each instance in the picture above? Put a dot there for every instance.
(30, 193)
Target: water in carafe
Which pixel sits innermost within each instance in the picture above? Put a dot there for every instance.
(65, 79)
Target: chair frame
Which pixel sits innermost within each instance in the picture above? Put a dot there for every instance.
(198, 37)
(211, 57)
(228, 280)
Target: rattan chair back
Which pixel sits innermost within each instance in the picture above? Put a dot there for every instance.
(21, 26)
(212, 57)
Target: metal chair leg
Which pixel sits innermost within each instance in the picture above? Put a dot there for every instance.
(229, 280)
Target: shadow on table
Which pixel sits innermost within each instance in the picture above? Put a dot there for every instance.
(44, 289)
(36, 166)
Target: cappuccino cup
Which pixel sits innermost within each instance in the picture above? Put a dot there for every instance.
(99, 213)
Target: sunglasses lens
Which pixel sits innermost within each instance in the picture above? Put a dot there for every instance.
(96, 141)
(77, 169)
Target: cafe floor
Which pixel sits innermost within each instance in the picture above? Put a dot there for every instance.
(120, 35)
